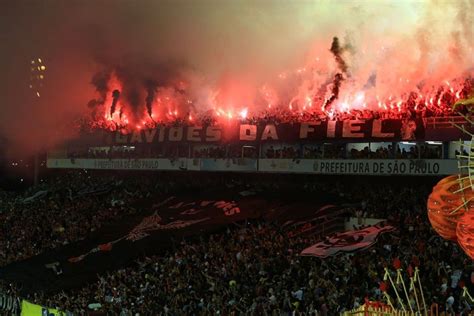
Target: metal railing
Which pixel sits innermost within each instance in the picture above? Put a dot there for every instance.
(443, 122)
(370, 310)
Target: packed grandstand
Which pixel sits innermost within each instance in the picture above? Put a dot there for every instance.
(237, 158)
(251, 267)
(266, 221)
(287, 214)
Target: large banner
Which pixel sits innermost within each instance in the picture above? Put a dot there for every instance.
(373, 129)
(349, 241)
(167, 220)
(309, 221)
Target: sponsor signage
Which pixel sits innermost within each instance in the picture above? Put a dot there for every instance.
(236, 164)
(361, 166)
(316, 166)
(181, 164)
(119, 164)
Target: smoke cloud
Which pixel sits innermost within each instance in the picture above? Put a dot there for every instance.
(337, 51)
(194, 56)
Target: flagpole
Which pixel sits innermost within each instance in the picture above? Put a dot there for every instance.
(466, 293)
(389, 301)
(400, 279)
(417, 277)
(412, 286)
(387, 274)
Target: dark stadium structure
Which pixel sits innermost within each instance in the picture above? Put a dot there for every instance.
(360, 147)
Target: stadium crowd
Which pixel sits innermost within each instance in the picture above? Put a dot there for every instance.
(274, 151)
(250, 268)
(75, 206)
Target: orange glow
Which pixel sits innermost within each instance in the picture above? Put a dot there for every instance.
(307, 89)
(243, 113)
(399, 106)
(445, 205)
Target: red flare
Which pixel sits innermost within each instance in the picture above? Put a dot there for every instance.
(397, 263)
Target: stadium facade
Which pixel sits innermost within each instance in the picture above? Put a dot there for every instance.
(426, 146)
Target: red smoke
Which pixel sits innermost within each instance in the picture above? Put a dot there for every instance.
(189, 61)
(304, 91)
